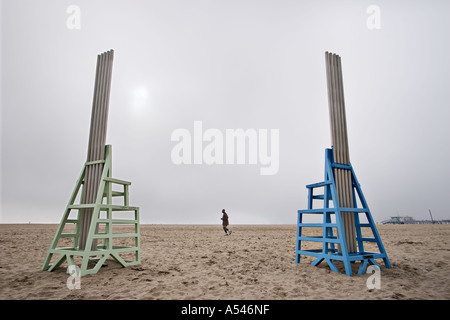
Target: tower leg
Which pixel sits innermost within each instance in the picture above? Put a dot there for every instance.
(298, 241)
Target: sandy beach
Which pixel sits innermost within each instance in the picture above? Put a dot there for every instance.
(255, 262)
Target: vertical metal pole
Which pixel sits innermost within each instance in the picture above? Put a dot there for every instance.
(340, 145)
(351, 235)
(97, 140)
(86, 214)
(432, 221)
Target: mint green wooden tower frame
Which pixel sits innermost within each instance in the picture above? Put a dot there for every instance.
(96, 254)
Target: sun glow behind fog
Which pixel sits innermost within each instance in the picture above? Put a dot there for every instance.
(140, 99)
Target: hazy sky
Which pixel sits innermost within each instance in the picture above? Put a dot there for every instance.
(229, 64)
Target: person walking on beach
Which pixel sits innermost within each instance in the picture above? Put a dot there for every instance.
(225, 223)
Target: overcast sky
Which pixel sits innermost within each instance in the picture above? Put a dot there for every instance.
(230, 64)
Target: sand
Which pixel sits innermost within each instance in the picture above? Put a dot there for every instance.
(255, 262)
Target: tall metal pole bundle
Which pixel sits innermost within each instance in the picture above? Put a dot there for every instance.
(340, 145)
(97, 141)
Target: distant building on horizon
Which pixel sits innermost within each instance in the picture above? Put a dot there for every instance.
(400, 220)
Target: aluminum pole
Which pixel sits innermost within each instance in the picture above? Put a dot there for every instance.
(97, 141)
(340, 145)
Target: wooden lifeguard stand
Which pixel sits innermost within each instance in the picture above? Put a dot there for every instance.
(334, 244)
(104, 219)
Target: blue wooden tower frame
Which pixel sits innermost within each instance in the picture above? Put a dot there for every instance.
(329, 251)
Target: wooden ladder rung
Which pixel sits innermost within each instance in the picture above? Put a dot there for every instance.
(318, 184)
(68, 235)
(117, 181)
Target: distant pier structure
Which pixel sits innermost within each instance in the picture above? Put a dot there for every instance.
(411, 220)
